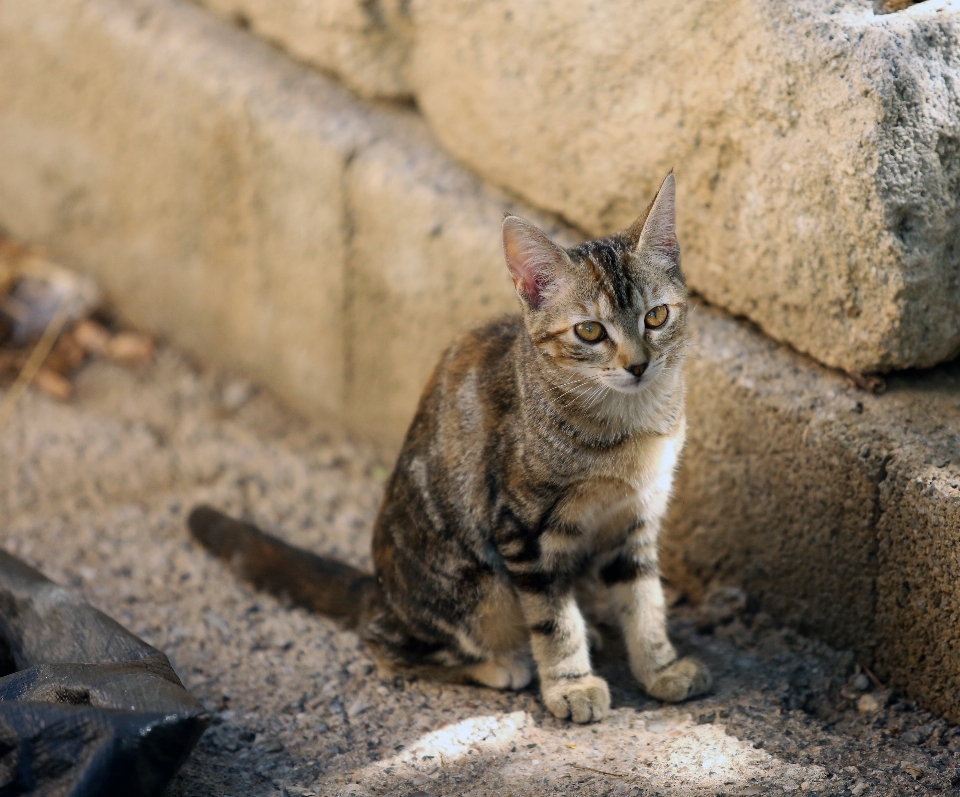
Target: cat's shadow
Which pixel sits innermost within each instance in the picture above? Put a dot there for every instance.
(610, 662)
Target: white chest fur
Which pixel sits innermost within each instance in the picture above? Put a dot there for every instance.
(630, 491)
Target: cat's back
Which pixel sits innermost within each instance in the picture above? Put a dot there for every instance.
(439, 492)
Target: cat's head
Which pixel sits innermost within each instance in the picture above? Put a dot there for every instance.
(610, 312)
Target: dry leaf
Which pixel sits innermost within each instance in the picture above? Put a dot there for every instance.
(92, 337)
(892, 6)
(66, 356)
(130, 348)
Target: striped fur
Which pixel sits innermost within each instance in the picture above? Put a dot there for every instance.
(535, 461)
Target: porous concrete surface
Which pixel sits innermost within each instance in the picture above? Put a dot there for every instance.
(918, 600)
(815, 144)
(242, 205)
(836, 508)
(95, 493)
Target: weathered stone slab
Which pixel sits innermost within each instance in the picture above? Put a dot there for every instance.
(365, 43)
(815, 144)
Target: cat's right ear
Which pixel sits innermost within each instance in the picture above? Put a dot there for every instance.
(536, 263)
(656, 230)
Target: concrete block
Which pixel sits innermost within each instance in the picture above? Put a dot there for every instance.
(815, 145)
(918, 602)
(773, 493)
(837, 509)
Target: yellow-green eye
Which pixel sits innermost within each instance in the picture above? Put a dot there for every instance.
(590, 331)
(656, 316)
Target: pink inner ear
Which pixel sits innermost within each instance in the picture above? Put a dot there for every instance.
(529, 263)
(520, 265)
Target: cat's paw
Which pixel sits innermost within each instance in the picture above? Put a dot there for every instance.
(682, 679)
(514, 673)
(584, 699)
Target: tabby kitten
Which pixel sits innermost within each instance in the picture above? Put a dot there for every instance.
(541, 455)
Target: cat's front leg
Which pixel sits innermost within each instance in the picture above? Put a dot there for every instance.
(558, 637)
(633, 577)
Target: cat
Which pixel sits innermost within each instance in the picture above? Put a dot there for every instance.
(542, 454)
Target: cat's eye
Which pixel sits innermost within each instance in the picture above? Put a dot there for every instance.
(590, 331)
(656, 317)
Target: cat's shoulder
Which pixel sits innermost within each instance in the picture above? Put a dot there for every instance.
(487, 344)
(501, 331)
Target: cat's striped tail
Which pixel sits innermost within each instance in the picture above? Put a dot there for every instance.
(315, 582)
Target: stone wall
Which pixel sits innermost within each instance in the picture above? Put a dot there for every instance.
(258, 214)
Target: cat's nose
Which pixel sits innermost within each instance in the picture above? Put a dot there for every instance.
(638, 369)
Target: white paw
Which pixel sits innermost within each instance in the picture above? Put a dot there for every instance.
(682, 679)
(585, 699)
(512, 673)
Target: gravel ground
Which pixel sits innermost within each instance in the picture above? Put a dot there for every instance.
(95, 493)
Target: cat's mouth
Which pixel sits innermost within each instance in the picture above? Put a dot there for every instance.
(632, 382)
(631, 385)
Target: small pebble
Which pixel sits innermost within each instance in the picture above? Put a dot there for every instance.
(272, 745)
(868, 704)
(357, 707)
(236, 394)
(911, 770)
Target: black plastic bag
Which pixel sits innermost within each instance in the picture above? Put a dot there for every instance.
(87, 709)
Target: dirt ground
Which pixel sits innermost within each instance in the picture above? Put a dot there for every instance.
(94, 492)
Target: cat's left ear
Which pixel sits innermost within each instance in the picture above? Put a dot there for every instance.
(536, 263)
(656, 230)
